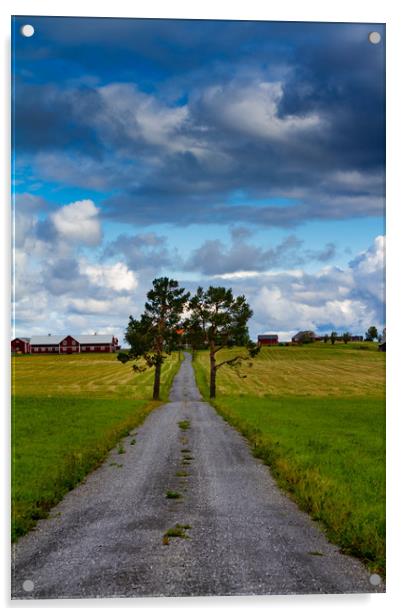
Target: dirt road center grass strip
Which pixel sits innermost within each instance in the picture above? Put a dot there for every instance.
(327, 451)
(57, 439)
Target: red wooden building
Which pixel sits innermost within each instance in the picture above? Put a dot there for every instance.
(21, 345)
(95, 343)
(268, 340)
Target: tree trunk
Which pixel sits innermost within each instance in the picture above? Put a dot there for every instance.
(157, 381)
(212, 376)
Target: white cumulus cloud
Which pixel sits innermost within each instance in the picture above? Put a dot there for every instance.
(87, 306)
(116, 276)
(79, 222)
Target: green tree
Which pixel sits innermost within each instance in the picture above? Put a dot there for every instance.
(371, 333)
(194, 335)
(223, 320)
(326, 338)
(333, 337)
(154, 334)
(346, 337)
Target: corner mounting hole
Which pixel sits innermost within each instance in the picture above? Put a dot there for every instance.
(27, 30)
(28, 586)
(375, 579)
(374, 38)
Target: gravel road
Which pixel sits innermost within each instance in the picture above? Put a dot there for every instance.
(105, 539)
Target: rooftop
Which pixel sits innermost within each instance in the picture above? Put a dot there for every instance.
(84, 339)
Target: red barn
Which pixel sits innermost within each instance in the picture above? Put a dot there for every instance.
(66, 345)
(268, 340)
(20, 345)
(69, 345)
(98, 343)
(45, 344)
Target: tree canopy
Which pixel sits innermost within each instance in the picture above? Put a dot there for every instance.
(154, 334)
(220, 320)
(371, 333)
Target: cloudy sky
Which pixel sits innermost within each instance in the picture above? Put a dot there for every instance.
(243, 154)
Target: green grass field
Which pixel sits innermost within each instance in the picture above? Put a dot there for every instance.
(67, 413)
(316, 415)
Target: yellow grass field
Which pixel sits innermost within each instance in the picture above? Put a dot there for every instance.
(98, 375)
(319, 369)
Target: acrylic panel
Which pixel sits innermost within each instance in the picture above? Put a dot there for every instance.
(198, 347)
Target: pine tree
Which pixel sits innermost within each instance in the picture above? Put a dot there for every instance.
(154, 334)
(223, 320)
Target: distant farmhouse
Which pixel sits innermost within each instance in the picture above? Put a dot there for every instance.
(304, 336)
(95, 343)
(268, 340)
(21, 345)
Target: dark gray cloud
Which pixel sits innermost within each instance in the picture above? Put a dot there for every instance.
(273, 110)
(27, 203)
(214, 257)
(324, 255)
(150, 252)
(240, 233)
(141, 251)
(45, 230)
(49, 117)
(185, 210)
(61, 276)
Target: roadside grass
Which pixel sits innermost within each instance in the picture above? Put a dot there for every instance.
(326, 449)
(61, 430)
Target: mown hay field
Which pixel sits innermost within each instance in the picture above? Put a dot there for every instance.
(353, 369)
(316, 415)
(67, 413)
